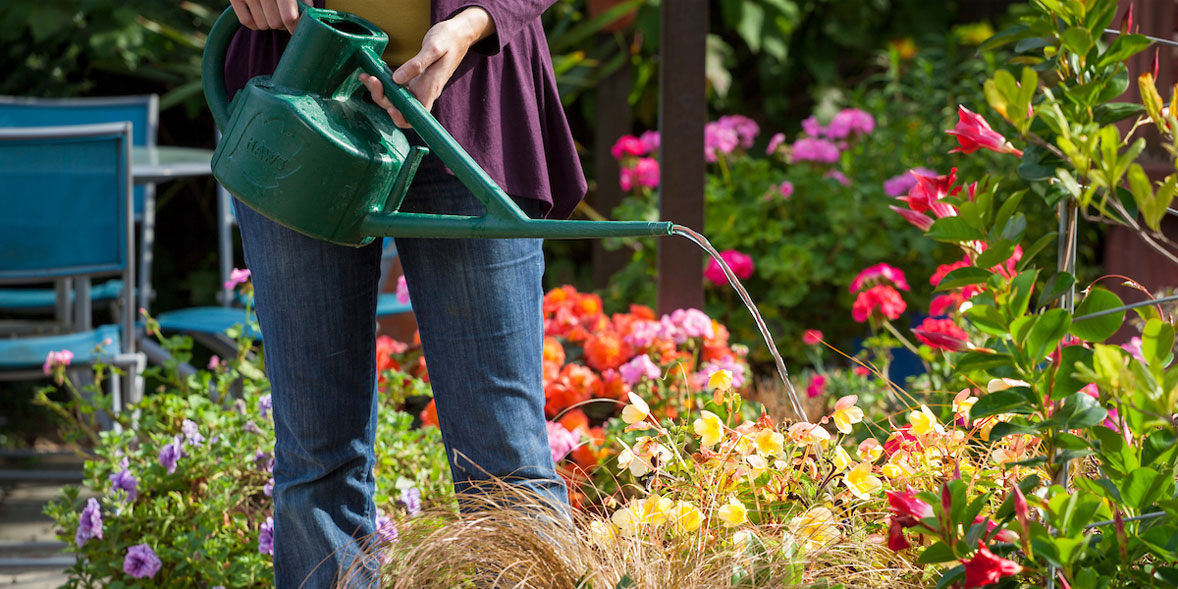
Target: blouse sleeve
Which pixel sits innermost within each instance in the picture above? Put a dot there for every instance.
(509, 16)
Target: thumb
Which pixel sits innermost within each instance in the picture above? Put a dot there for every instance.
(409, 70)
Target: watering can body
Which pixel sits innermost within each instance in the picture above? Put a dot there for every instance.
(303, 147)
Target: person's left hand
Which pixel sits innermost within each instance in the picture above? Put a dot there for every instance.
(442, 49)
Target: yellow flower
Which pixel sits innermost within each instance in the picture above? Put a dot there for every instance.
(740, 540)
(757, 463)
(602, 533)
(840, 459)
(847, 414)
(989, 423)
(870, 450)
(861, 482)
(924, 422)
(642, 512)
(962, 403)
(816, 528)
(769, 442)
(808, 434)
(892, 471)
(1001, 384)
(733, 513)
(636, 413)
(686, 517)
(720, 379)
(709, 428)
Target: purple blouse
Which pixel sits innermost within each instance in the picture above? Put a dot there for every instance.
(501, 104)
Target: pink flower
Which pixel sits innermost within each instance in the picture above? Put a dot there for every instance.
(879, 299)
(1003, 535)
(848, 121)
(839, 177)
(880, 273)
(817, 386)
(638, 368)
(650, 140)
(402, 290)
(214, 362)
(944, 269)
(974, 133)
(907, 504)
(814, 150)
(860, 371)
(561, 441)
(646, 172)
(236, 277)
(740, 263)
(626, 178)
(746, 129)
(719, 139)
(812, 337)
(774, 142)
(628, 145)
(55, 359)
(942, 334)
(1133, 346)
(786, 189)
(986, 568)
(812, 127)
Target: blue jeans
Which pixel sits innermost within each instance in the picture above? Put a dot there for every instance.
(478, 308)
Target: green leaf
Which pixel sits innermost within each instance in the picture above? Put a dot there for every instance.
(988, 319)
(939, 552)
(971, 361)
(954, 230)
(752, 18)
(1020, 292)
(1056, 286)
(1098, 329)
(997, 253)
(1047, 332)
(1066, 383)
(1005, 36)
(1029, 253)
(1078, 39)
(1037, 164)
(1157, 341)
(1010, 428)
(964, 277)
(1123, 47)
(1078, 411)
(625, 582)
(1008, 401)
(1143, 487)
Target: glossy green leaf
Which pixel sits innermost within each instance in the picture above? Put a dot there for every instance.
(1012, 427)
(1098, 329)
(988, 320)
(936, 553)
(1005, 36)
(1123, 47)
(1049, 329)
(1008, 401)
(971, 361)
(1143, 487)
(964, 277)
(1066, 383)
(1021, 287)
(954, 230)
(998, 252)
(1114, 112)
(1077, 39)
(1157, 341)
(1077, 411)
(1056, 287)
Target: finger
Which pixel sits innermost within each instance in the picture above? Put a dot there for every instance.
(289, 13)
(398, 118)
(270, 10)
(243, 14)
(430, 52)
(376, 89)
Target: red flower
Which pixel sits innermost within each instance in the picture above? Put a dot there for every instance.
(812, 337)
(740, 263)
(627, 145)
(942, 305)
(919, 220)
(1003, 535)
(817, 386)
(607, 350)
(901, 439)
(929, 191)
(429, 415)
(974, 133)
(880, 298)
(942, 334)
(944, 269)
(896, 539)
(906, 503)
(986, 568)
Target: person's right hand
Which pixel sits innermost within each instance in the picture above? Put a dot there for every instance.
(261, 15)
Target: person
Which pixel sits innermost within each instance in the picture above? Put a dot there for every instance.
(483, 68)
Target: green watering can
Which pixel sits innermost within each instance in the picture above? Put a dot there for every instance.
(304, 149)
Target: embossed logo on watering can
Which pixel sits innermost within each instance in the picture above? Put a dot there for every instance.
(266, 140)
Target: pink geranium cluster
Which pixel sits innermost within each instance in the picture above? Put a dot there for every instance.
(847, 123)
(637, 168)
(880, 274)
(878, 296)
(810, 149)
(740, 263)
(726, 134)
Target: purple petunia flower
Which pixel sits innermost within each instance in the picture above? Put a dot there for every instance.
(265, 404)
(386, 530)
(141, 562)
(90, 524)
(266, 537)
(170, 454)
(126, 481)
(251, 427)
(638, 368)
(264, 461)
(268, 488)
(411, 499)
(191, 434)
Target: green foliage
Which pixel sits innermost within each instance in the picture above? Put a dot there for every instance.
(203, 517)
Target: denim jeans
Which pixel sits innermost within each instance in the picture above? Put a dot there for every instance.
(478, 308)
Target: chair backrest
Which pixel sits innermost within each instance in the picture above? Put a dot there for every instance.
(66, 199)
(141, 110)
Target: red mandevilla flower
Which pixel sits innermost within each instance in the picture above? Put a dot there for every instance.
(986, 568)
(881, 299)
(926, 196)
(974, 133)
(942, 334)
(907, 504)
(896, 539)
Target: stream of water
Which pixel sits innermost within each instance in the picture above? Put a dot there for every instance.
(704, 244)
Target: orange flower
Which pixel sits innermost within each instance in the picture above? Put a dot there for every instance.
(588, 306)
(588, 455)
(429, 415)
(574, 419)
(558, 297)
(553, 351)
(642, 312)
(607, 350)
(613, 386)
(716, 347)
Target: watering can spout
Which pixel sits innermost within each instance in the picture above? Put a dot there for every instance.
(304, 149)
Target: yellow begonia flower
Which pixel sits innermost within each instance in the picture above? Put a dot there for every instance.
(840, 459)
(988, 424)
(870, 450)
(808, 433)
(861, 482)
(733, 513)
(740, 540)
(709, 428)
(720, 379)
(642, 512)
(635, 414)
(847, 414)
(816, 528)
(769, 442)
(962, 403)
(602, 533)
(924, 422)
(892, 471)
(686, 517)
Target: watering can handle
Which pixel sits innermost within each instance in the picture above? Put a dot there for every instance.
(443, 145)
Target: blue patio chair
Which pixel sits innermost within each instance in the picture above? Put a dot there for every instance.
(142, 111)
(67, 206)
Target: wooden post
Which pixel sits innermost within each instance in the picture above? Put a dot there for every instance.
(682, 115)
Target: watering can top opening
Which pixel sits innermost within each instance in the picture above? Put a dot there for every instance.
(304, 149)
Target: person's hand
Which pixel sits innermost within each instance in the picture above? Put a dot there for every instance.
(261, 15)
(442, 49)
